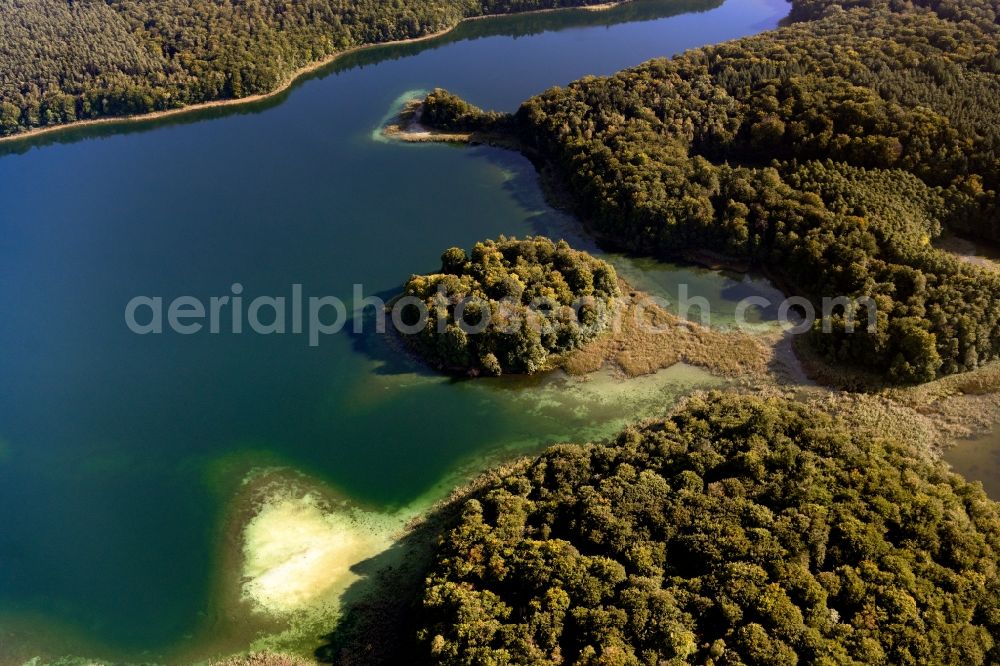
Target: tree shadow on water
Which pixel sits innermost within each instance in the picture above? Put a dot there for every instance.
(527, 186)
(382, 610)
(387, 348)
(389, 352)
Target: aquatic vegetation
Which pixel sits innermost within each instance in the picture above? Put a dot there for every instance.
(647, 338)
(831, 153)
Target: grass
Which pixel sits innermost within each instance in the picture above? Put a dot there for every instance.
(645, 338)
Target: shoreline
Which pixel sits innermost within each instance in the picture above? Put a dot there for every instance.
(408, 128)
(800, 362)
(285, 85)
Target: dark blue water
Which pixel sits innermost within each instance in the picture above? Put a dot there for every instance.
(118, 453)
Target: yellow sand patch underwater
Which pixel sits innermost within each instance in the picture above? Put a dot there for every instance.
(299, 552)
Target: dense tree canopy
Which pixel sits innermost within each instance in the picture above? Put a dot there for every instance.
(509, 305)
(66, 60)
(832, 152)
(446, 111)
(740, 531)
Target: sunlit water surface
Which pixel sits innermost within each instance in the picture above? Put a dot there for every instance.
(120, 454)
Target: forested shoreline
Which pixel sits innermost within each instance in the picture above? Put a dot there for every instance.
(831, 152)
(75, 60)
(739, 531)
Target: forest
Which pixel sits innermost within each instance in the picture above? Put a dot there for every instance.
(739, 531)
(68, 60)
(832, 153)
(510, 305)
(446, 111)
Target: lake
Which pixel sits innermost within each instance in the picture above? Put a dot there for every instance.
(120, 455)
(978, 459)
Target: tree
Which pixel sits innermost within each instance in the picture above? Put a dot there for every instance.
(738, 531)
(509, 305)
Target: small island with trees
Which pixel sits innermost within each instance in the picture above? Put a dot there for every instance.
(509, 306)
(797, 526)
(832, 154)
(835, 154)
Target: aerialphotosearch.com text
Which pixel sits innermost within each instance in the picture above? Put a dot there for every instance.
(316, 317)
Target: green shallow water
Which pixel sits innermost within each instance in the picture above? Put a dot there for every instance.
(119, 454)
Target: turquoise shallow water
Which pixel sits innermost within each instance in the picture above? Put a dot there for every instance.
(118, 453)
